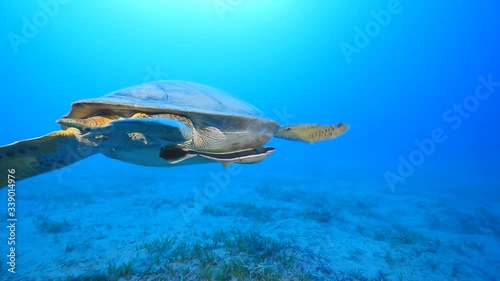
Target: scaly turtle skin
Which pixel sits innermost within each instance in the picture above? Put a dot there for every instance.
(162, 123)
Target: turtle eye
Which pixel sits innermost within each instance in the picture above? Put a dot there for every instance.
(288, 129)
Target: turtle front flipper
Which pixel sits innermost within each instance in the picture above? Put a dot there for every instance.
(43, 154)
(311, 132)
(159, 127)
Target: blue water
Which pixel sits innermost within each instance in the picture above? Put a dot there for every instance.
(417, 83)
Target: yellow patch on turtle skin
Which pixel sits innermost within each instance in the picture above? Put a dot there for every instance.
(139, 137)
(94, 121)
(139, 115)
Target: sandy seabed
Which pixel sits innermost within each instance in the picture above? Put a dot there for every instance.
(208, 223)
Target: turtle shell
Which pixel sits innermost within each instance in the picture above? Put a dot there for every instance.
(204, 105)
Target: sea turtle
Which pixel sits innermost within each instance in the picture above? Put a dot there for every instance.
(161, 123)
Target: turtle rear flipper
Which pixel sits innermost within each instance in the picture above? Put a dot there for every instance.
(43, 154)
(311, 132)
(176, 154)
(245, 156)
